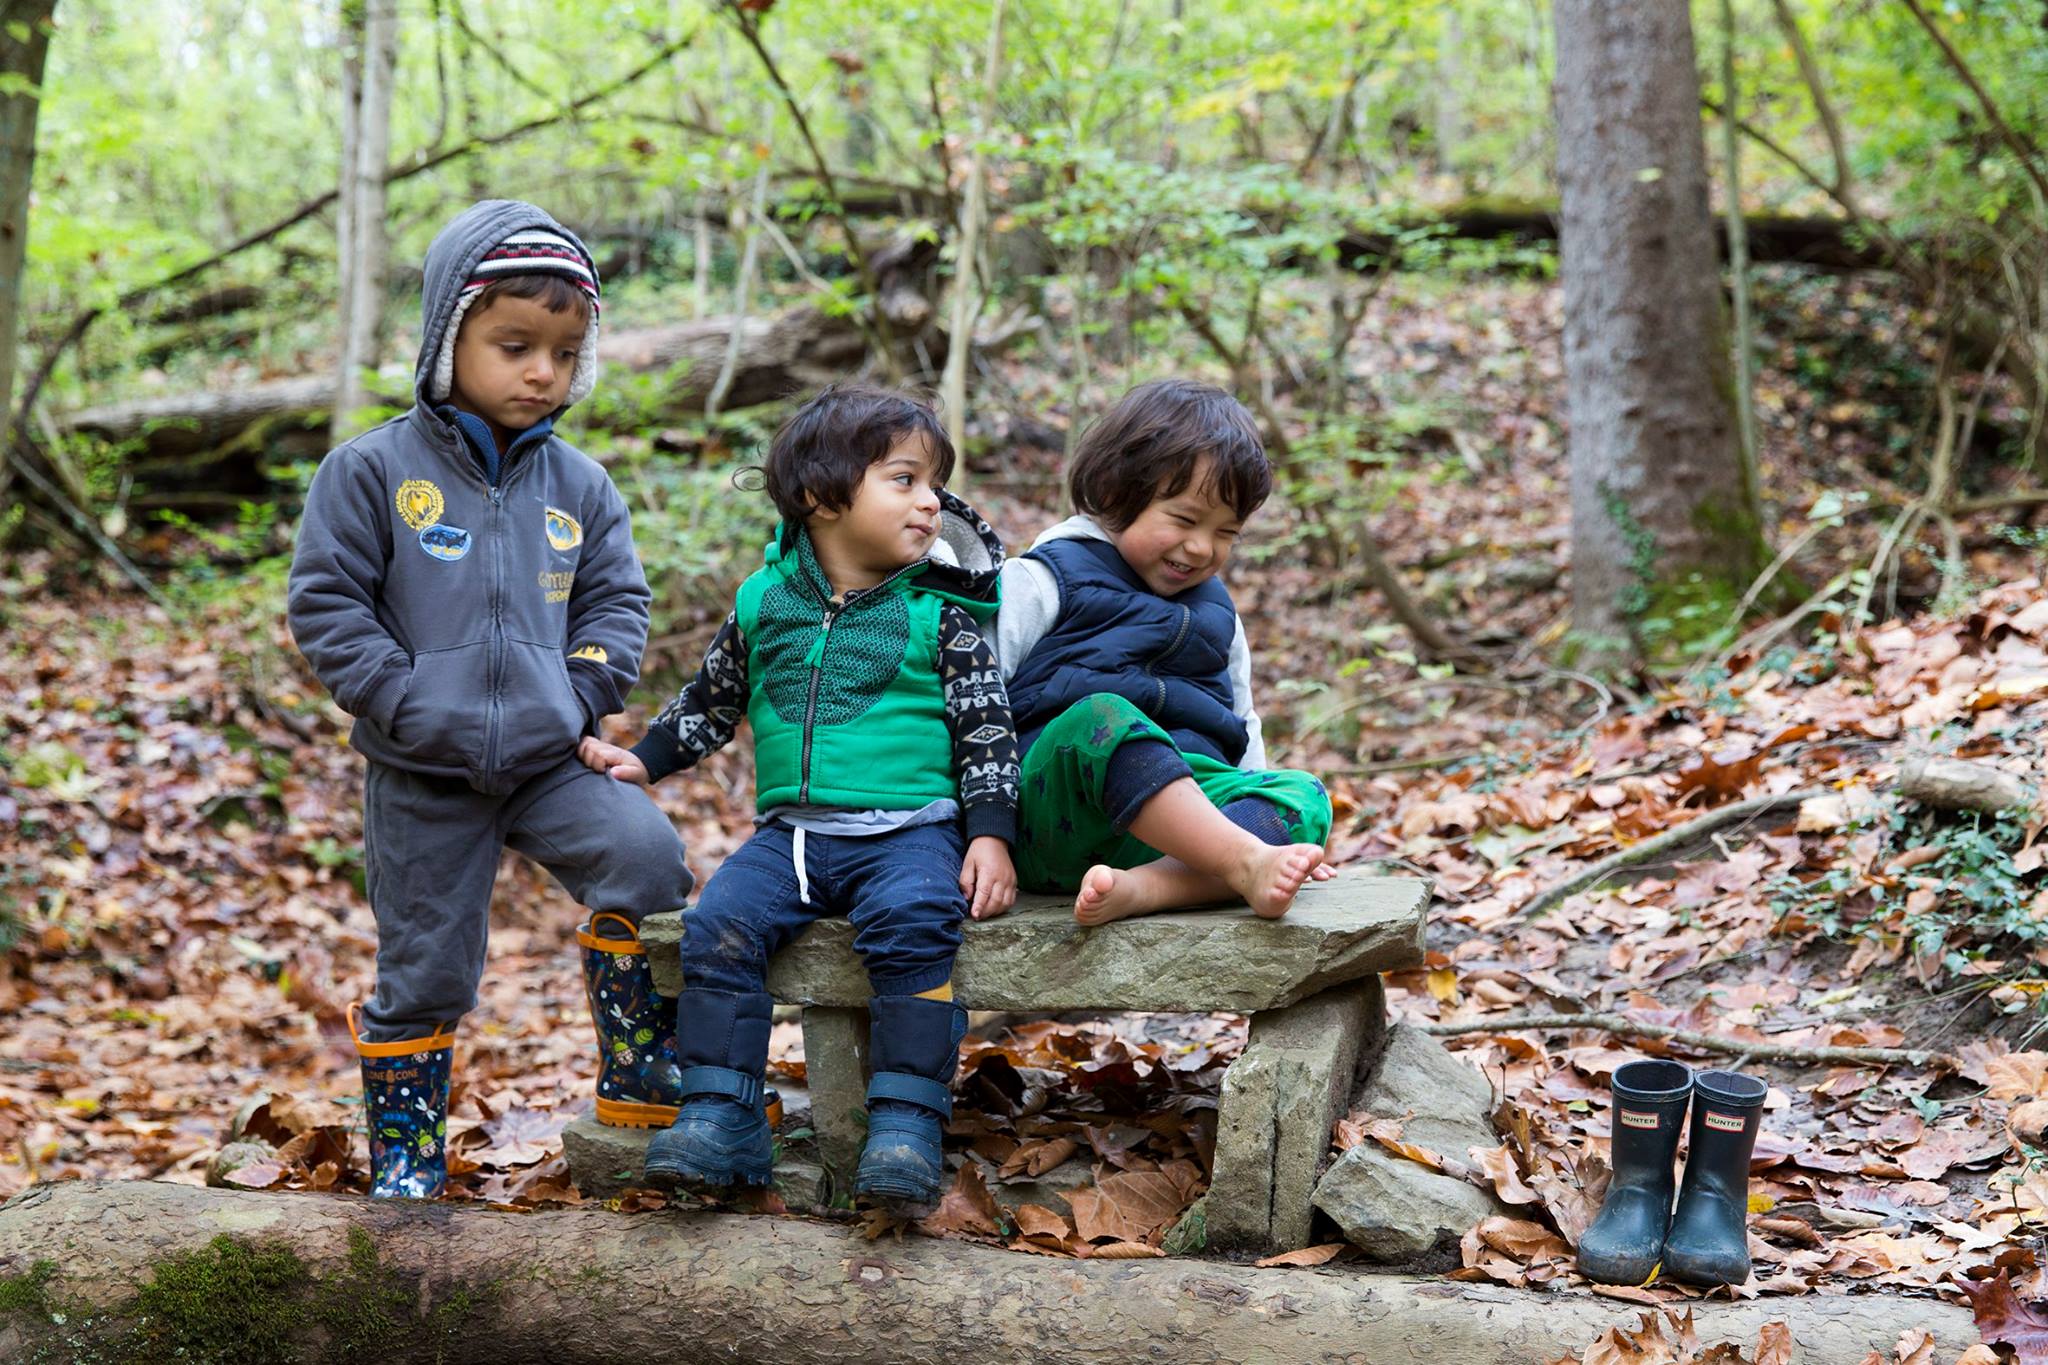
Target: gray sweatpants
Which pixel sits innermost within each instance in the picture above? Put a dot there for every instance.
(430, 855)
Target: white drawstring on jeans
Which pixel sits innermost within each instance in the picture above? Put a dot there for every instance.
(796, 856)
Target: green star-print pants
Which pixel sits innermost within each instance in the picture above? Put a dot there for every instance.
(1062, 827)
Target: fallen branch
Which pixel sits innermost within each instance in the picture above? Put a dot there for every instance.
(86, 526)
(1656, 846)
(465, 1283)
(1705, 1042)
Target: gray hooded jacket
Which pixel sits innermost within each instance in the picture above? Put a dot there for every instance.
(472, 631)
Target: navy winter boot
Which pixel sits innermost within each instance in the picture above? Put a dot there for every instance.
(720, 1138)
(914, 1049)
(1626, 1240)
(405, 1102)
(638, 1080)
(1709, 1240)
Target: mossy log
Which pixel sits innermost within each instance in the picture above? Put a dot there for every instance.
(131, 1271)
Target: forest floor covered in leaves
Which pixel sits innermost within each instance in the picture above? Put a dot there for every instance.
(180, 836)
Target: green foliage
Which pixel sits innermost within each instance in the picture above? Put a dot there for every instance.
(1979, 897)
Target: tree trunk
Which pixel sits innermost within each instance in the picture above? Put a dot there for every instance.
(967, 258)
(311, 1276)
(1664, 527)
(21, 59)
(366, 148)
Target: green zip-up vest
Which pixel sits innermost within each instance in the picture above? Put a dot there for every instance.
(846, 702)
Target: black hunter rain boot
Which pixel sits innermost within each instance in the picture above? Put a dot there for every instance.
(1626, 1240)
(1709, 1240)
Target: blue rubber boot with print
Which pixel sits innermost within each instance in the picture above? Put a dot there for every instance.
(639, 1082)
(914, 1049)
(720, 1138)
(405, 1102)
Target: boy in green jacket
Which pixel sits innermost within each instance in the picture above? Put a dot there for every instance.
(885, 769)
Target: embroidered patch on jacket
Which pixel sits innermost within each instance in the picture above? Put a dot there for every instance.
(445, 542)
(420, 503)
(1635, 1118)
(1725, 1123)
(594, 653)
(564, 531)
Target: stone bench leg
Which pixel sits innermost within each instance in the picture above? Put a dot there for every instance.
(836, 1069)
(1279, 1099)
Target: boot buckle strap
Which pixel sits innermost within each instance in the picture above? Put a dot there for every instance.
(721, 1080)
(909, 1089)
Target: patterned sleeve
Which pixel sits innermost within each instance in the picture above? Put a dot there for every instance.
(706, 714)
(984, 739)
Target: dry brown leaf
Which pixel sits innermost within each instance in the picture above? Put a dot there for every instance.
(966, 1209)
(1497, 1164)
(1034, 1220)
(1774, 1344)
(2016, 1075)
(1316, 1255)
(1119, 1251)
(1129, 1206)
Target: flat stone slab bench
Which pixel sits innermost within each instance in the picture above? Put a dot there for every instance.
(1309, 980)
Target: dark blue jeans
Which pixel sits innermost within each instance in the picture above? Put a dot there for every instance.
(901, 890)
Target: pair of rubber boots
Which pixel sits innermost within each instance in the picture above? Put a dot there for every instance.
(720, 1142)
(639, 1082)
(1637, 1235)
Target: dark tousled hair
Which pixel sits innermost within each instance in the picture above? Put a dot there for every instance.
(824, 450)
(551, 292)
(1156, 440)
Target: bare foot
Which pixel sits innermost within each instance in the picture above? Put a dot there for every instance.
(1109, 893)
(1269, 878)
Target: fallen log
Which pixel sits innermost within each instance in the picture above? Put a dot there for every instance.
(779, 354)
(1959, 784)
(96, 1268)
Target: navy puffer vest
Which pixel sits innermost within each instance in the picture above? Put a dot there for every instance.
(1168, 656)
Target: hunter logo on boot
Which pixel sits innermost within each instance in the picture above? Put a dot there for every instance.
(1635, 1119)
(1726, 1123)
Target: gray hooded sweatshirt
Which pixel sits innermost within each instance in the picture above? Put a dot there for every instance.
(473, 631)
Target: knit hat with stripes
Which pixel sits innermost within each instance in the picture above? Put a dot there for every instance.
(530, 251)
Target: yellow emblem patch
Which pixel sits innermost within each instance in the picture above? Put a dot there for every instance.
(564, 531)
(594, 653)
(420, 504)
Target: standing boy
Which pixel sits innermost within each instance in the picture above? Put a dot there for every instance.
(466, 588)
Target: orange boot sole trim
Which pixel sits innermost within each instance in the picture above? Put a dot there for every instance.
(632, 1114)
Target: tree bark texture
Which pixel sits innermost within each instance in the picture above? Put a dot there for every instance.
(459, 1283)
(1658, 493)
(364, 244)
(24, 61)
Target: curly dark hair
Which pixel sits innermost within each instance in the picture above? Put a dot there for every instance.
(821, 454)
(1160, 438)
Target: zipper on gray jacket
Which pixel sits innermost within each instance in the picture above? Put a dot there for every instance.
(494, 712)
